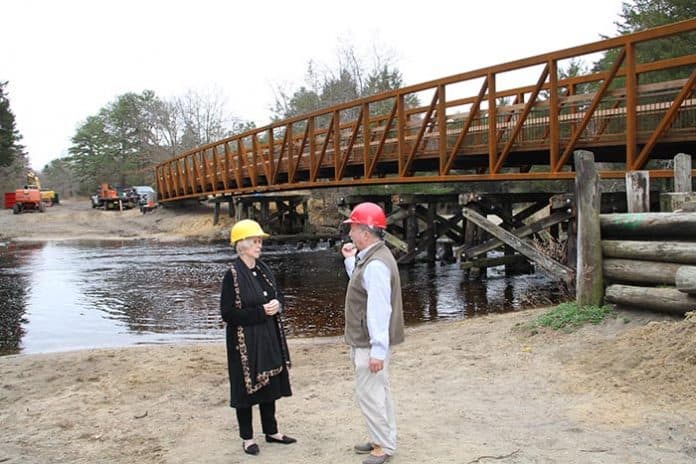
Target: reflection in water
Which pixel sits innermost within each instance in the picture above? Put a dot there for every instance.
(60, 296)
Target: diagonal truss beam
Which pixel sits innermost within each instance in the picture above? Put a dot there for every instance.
(380, 147)
(345, 156)
(473, 111)
(666, 121)
(590, 111)
(521, 232)
(426, 120)
(551, 266)
(520, 121)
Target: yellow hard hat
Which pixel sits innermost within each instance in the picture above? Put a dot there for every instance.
(246, 228)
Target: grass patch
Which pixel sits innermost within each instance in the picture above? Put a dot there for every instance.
(570, 316)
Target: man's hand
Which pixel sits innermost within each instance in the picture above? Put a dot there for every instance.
(348, 250)
(376, 365)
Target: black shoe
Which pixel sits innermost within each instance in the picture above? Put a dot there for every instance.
(285, 440)
(251, 449)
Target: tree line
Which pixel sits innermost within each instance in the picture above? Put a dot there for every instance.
(135, 131)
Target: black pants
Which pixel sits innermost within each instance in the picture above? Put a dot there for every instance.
(268, 421)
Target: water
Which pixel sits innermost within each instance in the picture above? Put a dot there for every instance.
(60, 296)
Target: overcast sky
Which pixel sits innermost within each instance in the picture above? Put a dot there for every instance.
(66, 59)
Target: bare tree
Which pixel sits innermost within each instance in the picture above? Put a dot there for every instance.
(350, 80)
(202, 117)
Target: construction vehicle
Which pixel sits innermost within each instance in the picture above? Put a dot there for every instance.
(29, 197)
(32, 197)
(147, 198)
(110, 197)
(49, 197)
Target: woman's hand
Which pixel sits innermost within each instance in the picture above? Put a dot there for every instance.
(272, 307)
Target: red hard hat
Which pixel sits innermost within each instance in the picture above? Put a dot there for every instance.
(368, 214)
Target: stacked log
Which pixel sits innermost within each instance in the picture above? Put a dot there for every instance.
(649, 259)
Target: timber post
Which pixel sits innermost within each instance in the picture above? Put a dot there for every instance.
(431, 233)
(682, 173)
(638, 191)
(589, 278)
(216, 213)
(411, 225)
(683, 198)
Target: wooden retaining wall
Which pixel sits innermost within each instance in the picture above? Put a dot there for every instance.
(646, 259)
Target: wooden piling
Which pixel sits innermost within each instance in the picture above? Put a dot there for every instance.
(431, 233)
(589, 280)
(682, 173)
(638, 191)
(216, 213)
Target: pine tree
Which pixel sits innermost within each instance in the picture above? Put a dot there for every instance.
(10, 148)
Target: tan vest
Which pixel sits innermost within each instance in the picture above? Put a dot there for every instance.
(356, 333)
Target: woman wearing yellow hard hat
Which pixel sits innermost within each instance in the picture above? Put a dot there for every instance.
(257, 352)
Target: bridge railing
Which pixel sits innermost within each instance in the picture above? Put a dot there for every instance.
(444, 134)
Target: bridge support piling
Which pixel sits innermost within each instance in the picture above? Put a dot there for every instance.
(510, 218)
(431, 235)
(417, 225)
(280, 214)
(411, 232)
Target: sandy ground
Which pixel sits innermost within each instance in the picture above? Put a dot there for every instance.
(474, 391)
(480, 390)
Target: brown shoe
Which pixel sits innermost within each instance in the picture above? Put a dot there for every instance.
(364, 448)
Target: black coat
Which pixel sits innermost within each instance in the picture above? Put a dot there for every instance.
(257, 352)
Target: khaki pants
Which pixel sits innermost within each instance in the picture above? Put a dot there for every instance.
(374, 399)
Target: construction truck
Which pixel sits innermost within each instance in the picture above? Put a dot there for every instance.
(110, 197)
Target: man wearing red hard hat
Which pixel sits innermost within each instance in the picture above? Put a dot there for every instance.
(374, 322)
